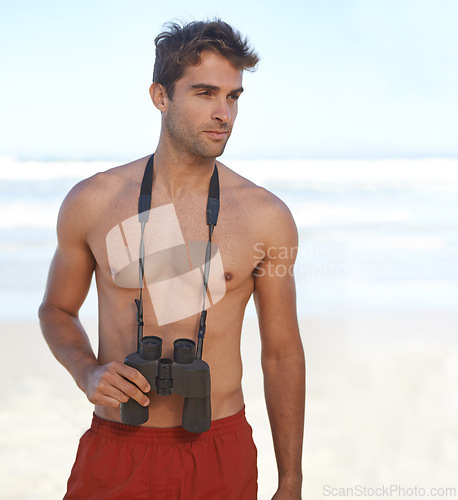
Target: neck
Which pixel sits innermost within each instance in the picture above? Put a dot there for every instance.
(178, 174)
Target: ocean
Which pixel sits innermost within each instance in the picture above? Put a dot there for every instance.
(374, 235)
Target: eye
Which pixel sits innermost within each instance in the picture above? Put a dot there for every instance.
(234, 97)
(204, 92)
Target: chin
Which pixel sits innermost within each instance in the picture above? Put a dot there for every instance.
(211, 152)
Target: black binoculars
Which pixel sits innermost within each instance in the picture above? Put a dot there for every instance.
(185, 375)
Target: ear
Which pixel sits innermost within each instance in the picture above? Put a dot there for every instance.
(158, 96)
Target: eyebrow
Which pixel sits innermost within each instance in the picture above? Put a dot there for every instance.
(214, 88)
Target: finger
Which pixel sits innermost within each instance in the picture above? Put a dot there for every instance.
(116, 387)
(117, 394)
(104, 400)
(131, 391)
(134, 376)
(110, 402)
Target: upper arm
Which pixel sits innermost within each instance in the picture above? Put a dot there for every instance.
(274, 288)
(73, 263)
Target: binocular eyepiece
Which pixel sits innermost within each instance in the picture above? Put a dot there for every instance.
(184, 375)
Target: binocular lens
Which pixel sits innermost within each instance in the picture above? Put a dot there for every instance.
(151, 340)
(184, 351)
(151, 348)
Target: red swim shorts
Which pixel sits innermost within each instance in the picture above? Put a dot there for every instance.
(123, 462)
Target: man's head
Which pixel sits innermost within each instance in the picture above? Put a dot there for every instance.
(181, 46)
(197, 82)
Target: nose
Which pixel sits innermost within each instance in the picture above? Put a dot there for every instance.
(222, 112)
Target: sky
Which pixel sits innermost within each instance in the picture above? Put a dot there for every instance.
(337, 78)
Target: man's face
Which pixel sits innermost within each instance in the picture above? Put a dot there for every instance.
(199, 118)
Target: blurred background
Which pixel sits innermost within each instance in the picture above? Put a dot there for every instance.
(351, 120)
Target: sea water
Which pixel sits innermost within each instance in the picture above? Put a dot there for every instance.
(374, 235)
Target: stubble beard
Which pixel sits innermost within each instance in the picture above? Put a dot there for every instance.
(191, 141)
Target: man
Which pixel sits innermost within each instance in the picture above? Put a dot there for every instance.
(197, 84)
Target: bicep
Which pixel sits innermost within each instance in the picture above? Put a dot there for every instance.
(274, 289)
(69, 279)
(73, 263)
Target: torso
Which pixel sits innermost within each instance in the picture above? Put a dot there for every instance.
(236, 235)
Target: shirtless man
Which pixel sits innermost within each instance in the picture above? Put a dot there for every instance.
(198, 98)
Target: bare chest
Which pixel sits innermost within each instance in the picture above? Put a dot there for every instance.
(174, 247)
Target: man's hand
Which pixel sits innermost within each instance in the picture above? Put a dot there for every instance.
(114, 383)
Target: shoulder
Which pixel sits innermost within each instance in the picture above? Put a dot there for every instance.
(91, 196)
(267, 211)
(105, 184)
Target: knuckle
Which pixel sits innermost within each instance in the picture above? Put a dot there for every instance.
(102, 387)
(111, 368)
(94, 399)
(106, 375)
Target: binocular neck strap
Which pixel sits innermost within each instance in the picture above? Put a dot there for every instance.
(144, 206)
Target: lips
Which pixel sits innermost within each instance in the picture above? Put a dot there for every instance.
(216, 134)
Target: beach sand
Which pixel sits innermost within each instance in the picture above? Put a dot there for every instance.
(382, 406)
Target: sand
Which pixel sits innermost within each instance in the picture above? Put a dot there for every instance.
(382, 406)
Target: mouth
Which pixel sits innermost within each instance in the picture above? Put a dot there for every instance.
(216, 134)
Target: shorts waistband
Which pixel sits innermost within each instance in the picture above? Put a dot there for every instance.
(167, 435)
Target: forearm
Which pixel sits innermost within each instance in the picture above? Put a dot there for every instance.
(68, 342)
(284, 387)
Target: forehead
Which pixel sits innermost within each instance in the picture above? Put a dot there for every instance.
(213, 69)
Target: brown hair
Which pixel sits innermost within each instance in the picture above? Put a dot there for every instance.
(180, 46)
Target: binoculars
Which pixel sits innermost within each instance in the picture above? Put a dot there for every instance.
(184, 375)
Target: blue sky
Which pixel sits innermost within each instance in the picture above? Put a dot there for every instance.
(337, 79)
